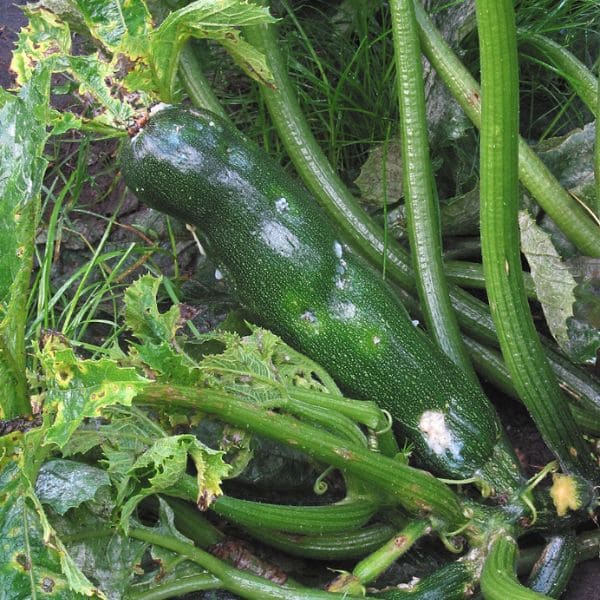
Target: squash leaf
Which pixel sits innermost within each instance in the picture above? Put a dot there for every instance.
(76, 389)
(165, 463)
(23, 118)
(34, 563)
(210, 19)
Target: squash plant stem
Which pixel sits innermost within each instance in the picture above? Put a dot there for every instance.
(417, 491)
(519, 342)
(567, 65)
(420, 190)
(321, 179)
(572, 219)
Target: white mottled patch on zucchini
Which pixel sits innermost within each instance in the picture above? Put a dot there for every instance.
(281, 204)
(158, 107)
(439, 437)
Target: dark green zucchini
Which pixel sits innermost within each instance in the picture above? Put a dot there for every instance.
(292, 270)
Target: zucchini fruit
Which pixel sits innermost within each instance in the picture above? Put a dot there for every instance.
(291, 269)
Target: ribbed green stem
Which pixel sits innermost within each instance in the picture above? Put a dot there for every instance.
(580, 78)
(470, 275)
(196, 85)
(490, 366)
(499, 580)
(323, 182)
(422, 207)
(535, 176)
(415, 490)
(239, 582)
(176, 588)
(519, 342)
(345, 545)
(587, 544)
(583, 390)
(347, 515)
(190, 521)
(361, 411)
(371, 567)
(553, 569)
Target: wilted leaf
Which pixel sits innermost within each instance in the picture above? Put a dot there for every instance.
(571, 160)
(77, 388)
(165, 463)
(65, 484)
(44, 41)
(553, 281)
(33, 561)
(572, 309)
(371, 177)
(142, 315)
(158, 350)
(584, 326)
(94, 75)
(122, 26)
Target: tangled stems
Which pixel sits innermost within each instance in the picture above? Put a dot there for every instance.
(417, 491)
(371, 567)
(552, 197)
(519, 342)
(236, 581)
(321, 179)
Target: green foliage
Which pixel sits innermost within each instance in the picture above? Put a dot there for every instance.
(65, 484)
(76, 389)
(137, 62)
(33, 560)
(22, 166)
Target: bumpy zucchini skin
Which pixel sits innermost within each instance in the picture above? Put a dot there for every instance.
(292, 270)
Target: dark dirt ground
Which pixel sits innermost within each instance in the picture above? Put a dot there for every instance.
(585, 583)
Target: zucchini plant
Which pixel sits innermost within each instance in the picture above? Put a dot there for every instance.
(326, 369)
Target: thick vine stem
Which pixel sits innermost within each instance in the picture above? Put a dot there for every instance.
(519, 342)
(176, 588)
(347, 515)
(580, 78)
(498, 579)
(378, 562)
(422, 204)
(340, 546)
(543, 186)
(195, 83)
(239, 582)
(417, 491)
(553, 569)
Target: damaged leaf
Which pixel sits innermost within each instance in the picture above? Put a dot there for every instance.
(76, 389)
(212, 19)
(34, 563)
(165, 463)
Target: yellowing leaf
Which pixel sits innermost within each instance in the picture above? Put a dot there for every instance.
(77, 388)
